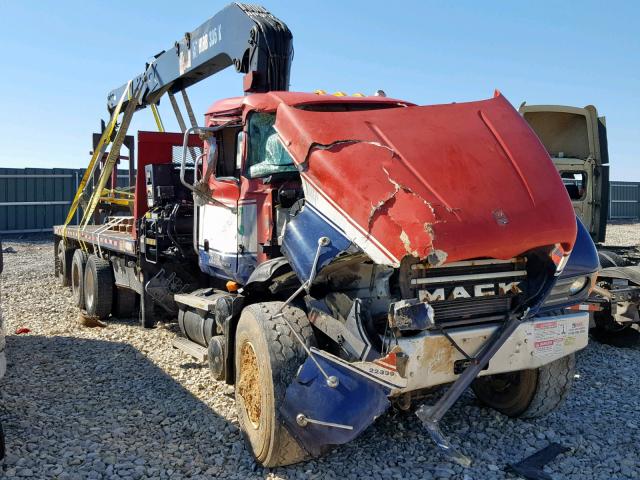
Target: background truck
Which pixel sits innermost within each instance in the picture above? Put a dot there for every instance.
(332, 254)
(576, 139)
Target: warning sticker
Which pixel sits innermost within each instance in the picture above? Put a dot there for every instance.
(551, 338)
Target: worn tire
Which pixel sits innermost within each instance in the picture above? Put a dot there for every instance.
(267, 357)
(98, 287)
(607, 330)
(610, 259)
(124, 303)
(63, 264)
(528, 393)
(3, 449)
(78, 263)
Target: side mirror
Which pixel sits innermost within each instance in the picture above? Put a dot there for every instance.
(239, 151)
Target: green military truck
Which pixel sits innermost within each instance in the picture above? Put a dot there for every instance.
(576, 139)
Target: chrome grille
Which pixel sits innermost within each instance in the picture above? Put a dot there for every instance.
(469, 292)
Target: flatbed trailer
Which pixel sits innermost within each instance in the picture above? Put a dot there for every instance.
(107, 237)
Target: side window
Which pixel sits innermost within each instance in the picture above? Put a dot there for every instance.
(575, 183)
(266, 154)
(227, 153)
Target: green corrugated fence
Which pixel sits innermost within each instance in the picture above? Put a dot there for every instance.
(35, 199)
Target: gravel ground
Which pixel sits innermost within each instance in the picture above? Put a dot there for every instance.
(623, 234)
(120, 402)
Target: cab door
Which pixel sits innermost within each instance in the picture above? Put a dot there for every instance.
(217, 213)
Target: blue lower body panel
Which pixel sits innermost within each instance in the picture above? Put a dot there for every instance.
(357, 401)
(300, 241)
(228, 266)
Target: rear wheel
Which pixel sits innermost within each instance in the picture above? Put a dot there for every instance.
(63, 264)
(98, 287)
(607, 330)
(77, 277)
(610, 259)
(527, 393)
(267, 356)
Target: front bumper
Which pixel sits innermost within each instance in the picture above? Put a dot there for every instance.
(319, 413)
(432, 358)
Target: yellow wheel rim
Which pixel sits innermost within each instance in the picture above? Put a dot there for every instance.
(249, 384)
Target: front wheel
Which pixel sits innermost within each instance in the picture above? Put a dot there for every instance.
(267, 357)
(527, 393)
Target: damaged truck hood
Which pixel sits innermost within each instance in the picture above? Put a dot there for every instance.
(442, 183)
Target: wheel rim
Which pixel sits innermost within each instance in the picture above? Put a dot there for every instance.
(249, 384)
(88, 291)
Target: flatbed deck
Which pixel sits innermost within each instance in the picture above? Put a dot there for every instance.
(100, 236)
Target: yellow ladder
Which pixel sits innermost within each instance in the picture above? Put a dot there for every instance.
(110, 162)
(112, 157)
(98, 153)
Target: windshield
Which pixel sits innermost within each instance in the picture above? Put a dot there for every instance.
(266, 154)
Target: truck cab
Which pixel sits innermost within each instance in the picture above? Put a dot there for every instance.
(253, 179)
(576, 140)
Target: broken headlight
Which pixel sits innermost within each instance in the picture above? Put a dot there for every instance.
(568, 291)
(578, 284)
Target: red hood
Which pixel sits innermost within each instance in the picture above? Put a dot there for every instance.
(464, 181)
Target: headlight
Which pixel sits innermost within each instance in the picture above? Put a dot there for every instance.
(577, 285)
(569, 290)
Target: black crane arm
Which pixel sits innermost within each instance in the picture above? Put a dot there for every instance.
(246, 36)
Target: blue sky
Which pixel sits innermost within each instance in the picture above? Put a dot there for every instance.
(61, 59)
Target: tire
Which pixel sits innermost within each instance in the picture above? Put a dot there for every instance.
(607, 330)
(98, 287)
(527, 393)
(267, 357)
(610, 259)
(78, 263)
(63, 264)
(124, 303)
(216, 357)
(2, 444)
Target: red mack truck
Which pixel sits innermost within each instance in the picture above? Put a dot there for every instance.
(330, 255)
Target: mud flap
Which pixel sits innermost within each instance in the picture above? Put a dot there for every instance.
(320, 416)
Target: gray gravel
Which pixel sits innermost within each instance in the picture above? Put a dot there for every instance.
(119, 402)
(623, 233)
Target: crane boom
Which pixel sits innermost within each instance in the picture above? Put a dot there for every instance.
(246, 36)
